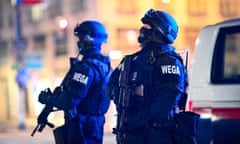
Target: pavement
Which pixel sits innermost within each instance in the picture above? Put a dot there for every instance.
(17, 136)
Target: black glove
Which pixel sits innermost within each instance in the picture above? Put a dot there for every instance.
(58, 90)
(45, 96)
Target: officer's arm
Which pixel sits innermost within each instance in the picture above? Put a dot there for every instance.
(79, 82)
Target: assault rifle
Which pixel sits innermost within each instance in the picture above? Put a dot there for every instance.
(126, 91)
(42, 118)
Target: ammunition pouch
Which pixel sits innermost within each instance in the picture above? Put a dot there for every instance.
(187, 124)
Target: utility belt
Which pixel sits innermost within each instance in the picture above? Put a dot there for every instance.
(181, 130)
(90, 113)
(163, 126)
(168, 124)
(74, 113)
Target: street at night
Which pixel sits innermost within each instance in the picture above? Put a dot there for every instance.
(16, 136)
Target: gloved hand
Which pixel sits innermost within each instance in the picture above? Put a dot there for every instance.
(45, 96)
(58, 90)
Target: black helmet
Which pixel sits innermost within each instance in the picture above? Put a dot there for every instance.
(164, 26)
(91, 35)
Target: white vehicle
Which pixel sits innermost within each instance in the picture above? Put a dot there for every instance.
(214, 90)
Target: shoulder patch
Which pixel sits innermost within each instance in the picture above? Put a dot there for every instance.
(79, 77)
(170, 69)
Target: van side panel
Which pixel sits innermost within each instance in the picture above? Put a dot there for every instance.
(214, 88)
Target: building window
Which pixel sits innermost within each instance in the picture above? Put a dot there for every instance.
(39, 42)
(229, 8)
(78, 5)
(126, 6)
(197, 7)
(26, 14)
(3, 52)
(10, 21)
(61, 43)
(55, 8)
(127, 40)
(37, 12)
(1, 14)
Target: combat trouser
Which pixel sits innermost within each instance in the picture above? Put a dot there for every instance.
(133, 137)
(84, 129)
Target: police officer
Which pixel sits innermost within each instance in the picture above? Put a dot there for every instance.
(82, 93)
(149, 86)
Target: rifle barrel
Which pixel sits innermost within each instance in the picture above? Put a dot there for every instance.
(34, 130)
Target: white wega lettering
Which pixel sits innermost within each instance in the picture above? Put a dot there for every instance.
(170, 69)
(79, 77)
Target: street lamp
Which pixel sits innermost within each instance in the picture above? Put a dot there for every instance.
(62, 23)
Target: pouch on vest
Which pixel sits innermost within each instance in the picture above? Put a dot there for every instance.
(187, 125)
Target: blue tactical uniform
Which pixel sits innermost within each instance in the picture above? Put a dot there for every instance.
(148, 86)
(82, 93)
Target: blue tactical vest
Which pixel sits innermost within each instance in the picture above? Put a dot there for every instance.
(96, 102)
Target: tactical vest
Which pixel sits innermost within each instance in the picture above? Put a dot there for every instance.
(137, 84)
(96, 101)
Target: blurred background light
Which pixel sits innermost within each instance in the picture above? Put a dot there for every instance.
(115, 54)
(132, 36)
(166, 1)
(62, 23)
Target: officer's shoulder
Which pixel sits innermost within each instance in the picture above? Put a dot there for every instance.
(126, 57)
(177, 57)
(169, 58)
(133, 55)
(82, 66)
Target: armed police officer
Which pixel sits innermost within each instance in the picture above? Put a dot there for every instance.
(82, 92)
(149, 86)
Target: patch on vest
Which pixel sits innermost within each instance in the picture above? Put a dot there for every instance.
(170, 69)
(79, 77)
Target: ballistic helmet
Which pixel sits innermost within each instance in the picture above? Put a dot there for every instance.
(164, 26)
(91, 34)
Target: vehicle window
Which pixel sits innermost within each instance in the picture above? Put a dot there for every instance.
(232, 56)
(226, 59)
